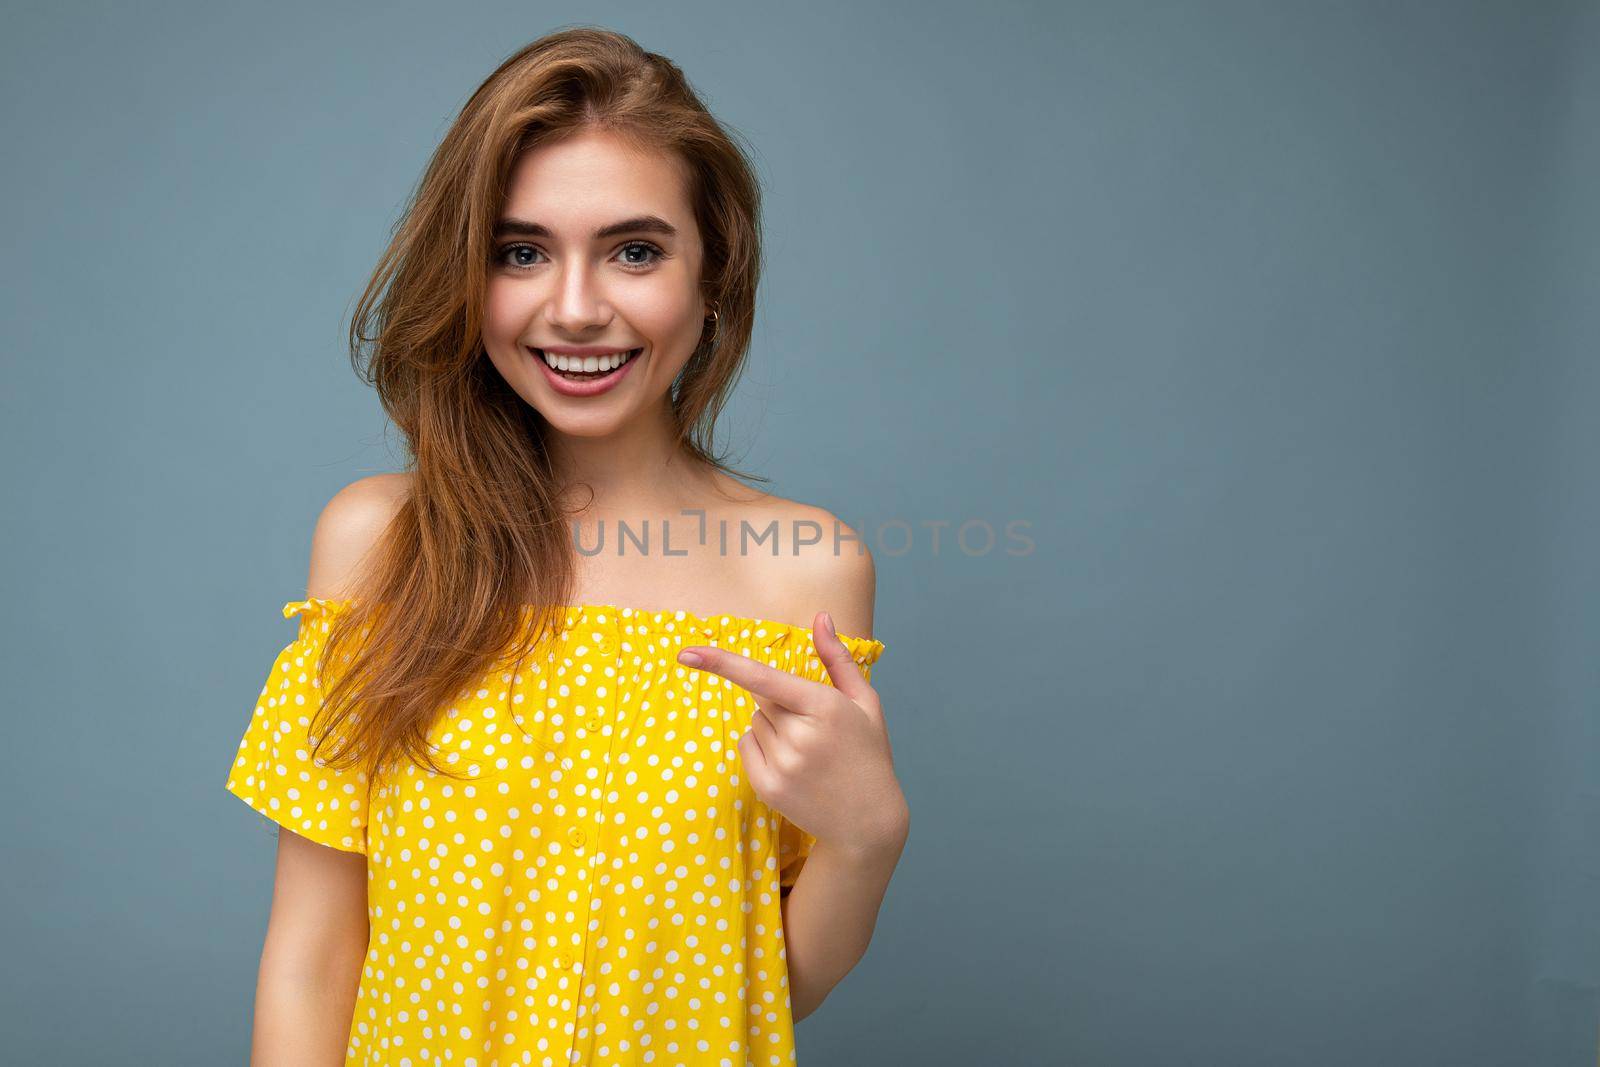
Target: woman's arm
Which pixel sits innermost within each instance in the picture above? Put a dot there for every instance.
(316, 940)
(311, 962)
(831, 911)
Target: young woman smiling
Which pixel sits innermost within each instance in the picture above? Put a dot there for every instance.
(551, 805)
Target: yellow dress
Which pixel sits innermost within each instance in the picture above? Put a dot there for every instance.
(604, 892)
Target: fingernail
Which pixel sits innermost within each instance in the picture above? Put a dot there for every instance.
(827, 620)
(689, 659)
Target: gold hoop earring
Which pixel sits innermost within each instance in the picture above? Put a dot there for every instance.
(716, 321)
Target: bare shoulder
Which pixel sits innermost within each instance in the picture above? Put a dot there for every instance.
(823, 564)
(348, 528)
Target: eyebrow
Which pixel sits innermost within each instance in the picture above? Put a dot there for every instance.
(639, 224)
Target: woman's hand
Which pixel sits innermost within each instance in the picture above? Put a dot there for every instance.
(817, 754)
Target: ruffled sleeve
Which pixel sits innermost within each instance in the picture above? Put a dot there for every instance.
(794, 844)
(273, 771)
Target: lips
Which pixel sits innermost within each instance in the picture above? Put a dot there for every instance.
(588, 385)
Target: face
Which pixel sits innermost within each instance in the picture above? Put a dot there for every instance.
(597, 249)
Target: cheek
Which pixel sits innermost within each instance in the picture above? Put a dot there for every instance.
(663, 308)
(504, 314)
(670, 323)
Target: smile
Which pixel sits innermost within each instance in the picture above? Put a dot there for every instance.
(586, 375)
(581, 366)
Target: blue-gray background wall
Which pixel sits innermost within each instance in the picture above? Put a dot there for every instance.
(1277, 322)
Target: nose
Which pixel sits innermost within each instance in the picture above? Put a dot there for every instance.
(578, 305)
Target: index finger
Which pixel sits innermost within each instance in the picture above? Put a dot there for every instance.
(778, 687)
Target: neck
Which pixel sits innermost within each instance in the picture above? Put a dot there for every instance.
(638, 470)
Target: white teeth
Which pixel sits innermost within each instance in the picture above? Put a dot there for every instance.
(585, 363)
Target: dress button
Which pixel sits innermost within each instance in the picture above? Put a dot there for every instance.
(575, 835)
(562, 962)
(592, 724)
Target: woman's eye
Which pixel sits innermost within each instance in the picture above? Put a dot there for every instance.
(517, 256)
(656, 255)
(509, 250)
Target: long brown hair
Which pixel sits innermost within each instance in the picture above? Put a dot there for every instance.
(478, 559)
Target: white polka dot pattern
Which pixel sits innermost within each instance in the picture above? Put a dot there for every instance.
(605, 890)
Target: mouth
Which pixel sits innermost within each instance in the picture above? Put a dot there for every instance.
(587, 368)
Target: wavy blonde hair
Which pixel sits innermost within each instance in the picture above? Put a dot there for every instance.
(478, 558)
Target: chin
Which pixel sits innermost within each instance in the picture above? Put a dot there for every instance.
(594, 425)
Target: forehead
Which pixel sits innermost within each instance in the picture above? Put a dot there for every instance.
(586, 180)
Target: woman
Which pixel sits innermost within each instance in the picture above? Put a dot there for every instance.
(576, 766)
